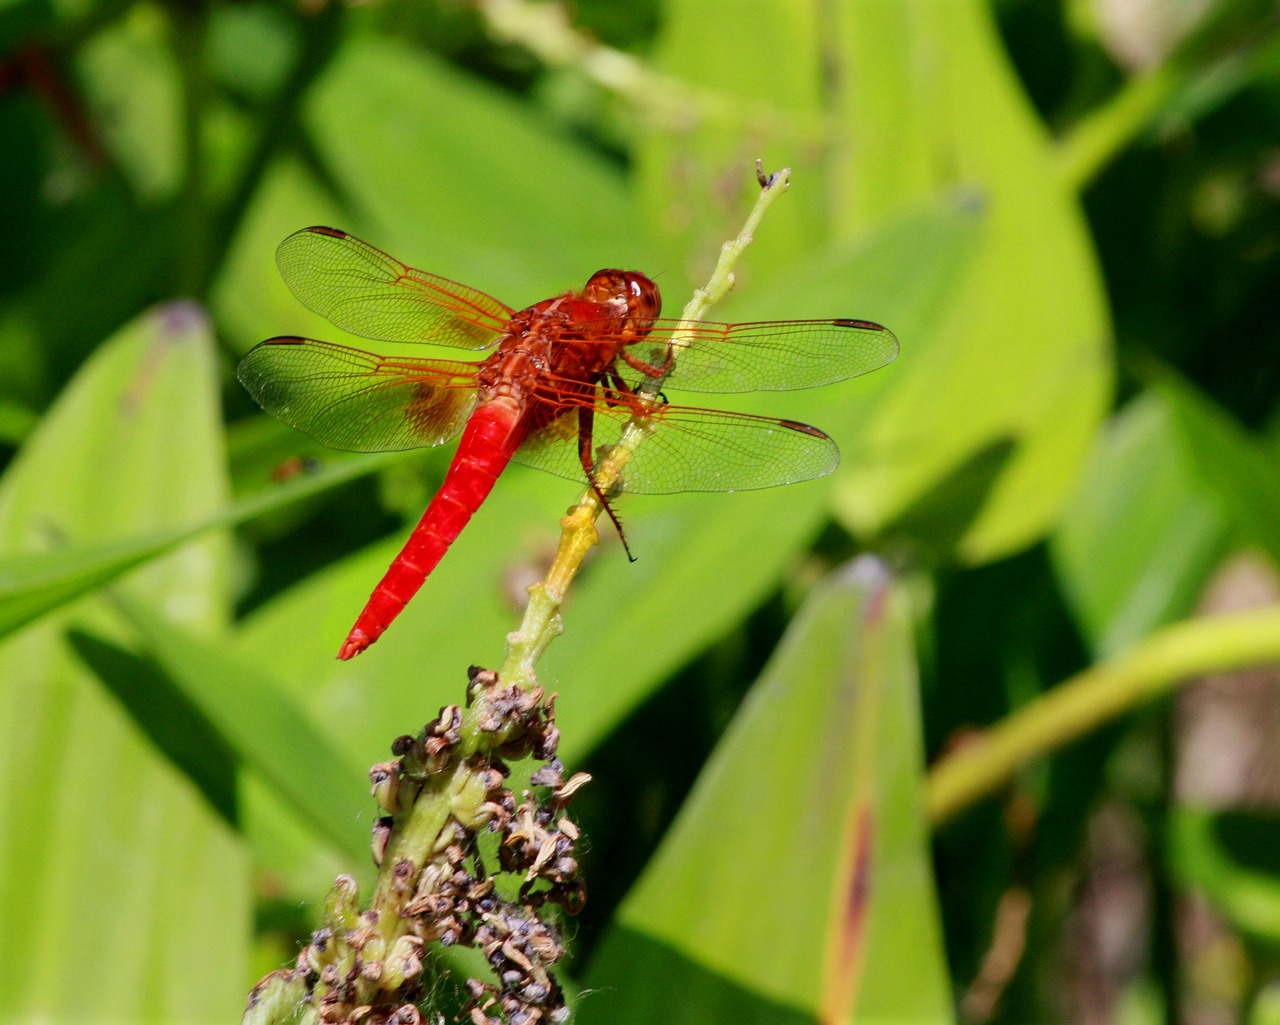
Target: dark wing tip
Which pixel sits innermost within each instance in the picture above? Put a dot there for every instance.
(249, 370)
(813, 432)
(320, 229)
(890, 347)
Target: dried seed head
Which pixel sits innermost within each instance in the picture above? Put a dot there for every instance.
(353, 972)
(403, 876)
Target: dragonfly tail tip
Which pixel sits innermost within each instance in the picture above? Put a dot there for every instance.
(355, 643)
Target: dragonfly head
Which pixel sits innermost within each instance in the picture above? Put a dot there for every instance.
(634, 297)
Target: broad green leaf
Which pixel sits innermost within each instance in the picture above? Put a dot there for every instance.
(34, 584)
(125, 892)
(1171, 482)
(1022, 354)
(1234, 467)
(249, 296)
(1134, 546)
(796, 883)
(266, 732)
(416, 151)
(173, 724)
(459, 179)
(134, 83)
(695, 173)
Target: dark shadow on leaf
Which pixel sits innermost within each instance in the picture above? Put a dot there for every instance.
(169, 720)
(936, 521)
(1250, 838)
(636, 978)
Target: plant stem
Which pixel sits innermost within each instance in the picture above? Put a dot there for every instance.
(1097, 138)
(541, 624)
(190, 37)
(1101, 693)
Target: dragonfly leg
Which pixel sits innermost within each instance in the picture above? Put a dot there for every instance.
(654, 370)
(586, 423)
(619, 393)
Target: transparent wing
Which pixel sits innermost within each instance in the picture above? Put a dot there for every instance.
(363, 290)
(690, 450)
(358, 401)
(775, 355)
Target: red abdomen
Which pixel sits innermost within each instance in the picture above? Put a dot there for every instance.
(492, 434)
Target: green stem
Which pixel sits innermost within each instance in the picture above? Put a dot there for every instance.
(416, 836)
(190, 31)
(1151, 669)
(1097, 138)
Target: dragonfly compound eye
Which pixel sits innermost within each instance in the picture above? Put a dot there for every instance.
(637, 296)
(643, 298)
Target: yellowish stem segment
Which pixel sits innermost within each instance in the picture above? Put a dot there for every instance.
(542, 622)
(1100, 694)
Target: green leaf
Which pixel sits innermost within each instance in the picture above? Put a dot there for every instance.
(1218, 854)
(502, 199)
(1234, 467)
(125, 893)
(134, 85)
(1172, 480)
(918, 101)
(34, 584)
(1135, 544)
(796, 883)
(443, 199)
(172, 723)
(267, 733)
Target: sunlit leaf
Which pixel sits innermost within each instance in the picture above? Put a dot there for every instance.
(112, 860)
(1022, 353)
(1136, 542)
(795, 884)
(267, 733)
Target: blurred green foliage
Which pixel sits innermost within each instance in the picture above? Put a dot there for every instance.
(1071, 221)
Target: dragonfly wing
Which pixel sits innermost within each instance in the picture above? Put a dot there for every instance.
(363, 290)
(777, 355)
(691, 449)
(358, 401)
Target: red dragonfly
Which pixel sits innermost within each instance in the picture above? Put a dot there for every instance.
(559, 371)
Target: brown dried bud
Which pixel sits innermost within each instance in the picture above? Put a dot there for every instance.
(575, 783)
(381, 837)
(404, 876)
(405, 1014)
(385, 780)
(403, 963)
